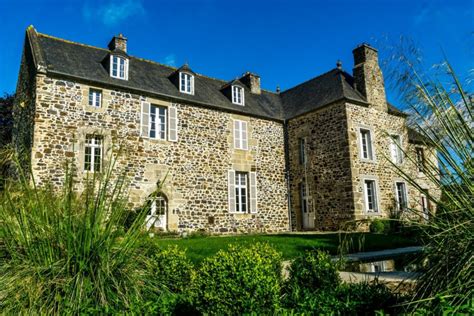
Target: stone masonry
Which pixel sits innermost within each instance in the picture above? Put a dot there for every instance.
(53, 118)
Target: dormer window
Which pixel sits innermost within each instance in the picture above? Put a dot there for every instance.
(118, 67)
(238, 95)
(186, 83)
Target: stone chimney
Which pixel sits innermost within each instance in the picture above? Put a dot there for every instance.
(252, 81)
(119, 43)
(368, 78)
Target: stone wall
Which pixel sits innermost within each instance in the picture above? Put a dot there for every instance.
(382, 124)
(327, 172)
(196, 166)
(24, 108)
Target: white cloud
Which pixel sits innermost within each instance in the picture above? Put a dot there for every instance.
(112, 12)
(170, 60)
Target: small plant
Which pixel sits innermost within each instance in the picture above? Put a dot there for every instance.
(239, 280)
(377, 226)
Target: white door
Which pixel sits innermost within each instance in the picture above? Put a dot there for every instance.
(156, 217)
(307, 215)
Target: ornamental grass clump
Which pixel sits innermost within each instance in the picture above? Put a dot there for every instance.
(67, 252)
(443, 114)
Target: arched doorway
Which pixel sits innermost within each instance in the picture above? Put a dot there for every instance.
(157, 216)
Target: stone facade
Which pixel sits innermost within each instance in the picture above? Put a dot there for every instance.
(53, 118)
(196, 166)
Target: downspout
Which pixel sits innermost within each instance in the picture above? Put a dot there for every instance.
(287, 171)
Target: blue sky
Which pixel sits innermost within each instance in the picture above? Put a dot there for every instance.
(285, 42)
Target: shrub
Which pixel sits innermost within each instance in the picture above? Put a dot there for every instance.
(314, 287)
(313, 271)
(170, 267)
(243, 279)
(377, 226)
(382, 226)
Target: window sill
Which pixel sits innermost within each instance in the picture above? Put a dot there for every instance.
(372, 161)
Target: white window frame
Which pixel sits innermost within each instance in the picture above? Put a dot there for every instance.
(425, 206)
(93, 142)
(241, 136)
(152, 120)
(370, 144)
(396, 152)
(184, 85)
(120, 73)
(420, 159)
(302, 150)
(376, 203)
(95, 98)
(397, 197)
(304, 198)
(239, 188)
(238, 96)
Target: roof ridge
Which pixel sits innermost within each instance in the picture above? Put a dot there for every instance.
(314, 78)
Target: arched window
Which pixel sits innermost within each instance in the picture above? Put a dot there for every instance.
(157, 216)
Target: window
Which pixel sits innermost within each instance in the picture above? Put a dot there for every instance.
(240, 135)
(303, 197)
(420, 159)
(186, 83)
(238, 95)
(425, 207)
(366, 144)
(157, 122)
(156, 215)
(93, 153)
(401, 195)
(241, 192)
(95, 98)
(119, 67)
(396, 149)
(302, 150)
(370, 193)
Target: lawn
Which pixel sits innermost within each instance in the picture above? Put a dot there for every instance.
(290, 245)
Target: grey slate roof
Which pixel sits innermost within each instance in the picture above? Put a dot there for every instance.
(325, 89)
(59, 57)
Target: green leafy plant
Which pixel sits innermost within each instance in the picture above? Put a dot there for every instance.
(66, 252)
(314, 287)
(243, 279)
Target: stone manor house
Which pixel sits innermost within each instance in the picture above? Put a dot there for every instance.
(236, 158)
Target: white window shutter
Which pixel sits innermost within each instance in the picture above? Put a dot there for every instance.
(172, 124)
(244, 135)
(231, 185)
(253, 192)
(394, 151)
(237, 134)
(145, 120)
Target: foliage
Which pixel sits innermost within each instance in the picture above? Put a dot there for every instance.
(67, 252)
(171, 268)
(380, 226)
(443, 116)
(314, 287)
(6, 119)
(239, 280)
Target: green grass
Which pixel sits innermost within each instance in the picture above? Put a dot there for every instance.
(290, 245)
